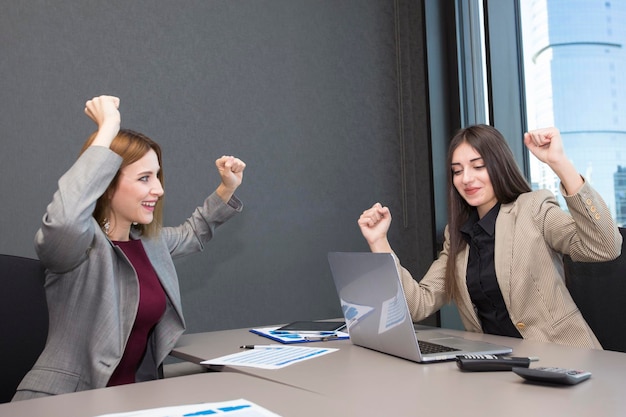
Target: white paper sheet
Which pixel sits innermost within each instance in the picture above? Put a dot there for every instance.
(270, 356)
(234, 408)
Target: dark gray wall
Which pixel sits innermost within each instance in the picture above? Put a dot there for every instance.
(324, 100)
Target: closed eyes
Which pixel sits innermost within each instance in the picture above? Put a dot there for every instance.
(460, 171)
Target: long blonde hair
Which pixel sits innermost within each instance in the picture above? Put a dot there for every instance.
(131, 146)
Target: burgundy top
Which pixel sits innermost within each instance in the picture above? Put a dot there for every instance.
(150, 311)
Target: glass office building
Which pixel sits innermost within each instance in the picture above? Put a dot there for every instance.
(575, 67)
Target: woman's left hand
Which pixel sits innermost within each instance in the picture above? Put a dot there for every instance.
(231, 171)
(546, 145)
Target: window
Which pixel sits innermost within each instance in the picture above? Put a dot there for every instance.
(545, 63)
(575, 77)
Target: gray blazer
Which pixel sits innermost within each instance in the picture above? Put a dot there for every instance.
(92, 289)
(531, 235)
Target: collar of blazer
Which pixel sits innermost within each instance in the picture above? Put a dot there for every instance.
(163, 265)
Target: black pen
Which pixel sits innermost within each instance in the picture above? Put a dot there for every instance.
(258, 346)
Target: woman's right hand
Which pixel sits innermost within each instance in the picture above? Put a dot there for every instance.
(104, 111)
(374, 224)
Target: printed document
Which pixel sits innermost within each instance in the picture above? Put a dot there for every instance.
(270, 356)
(234, 408)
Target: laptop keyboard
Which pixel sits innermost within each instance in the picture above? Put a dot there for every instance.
(428, 347)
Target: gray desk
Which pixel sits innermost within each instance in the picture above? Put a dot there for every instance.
(387, 386)
(193, 389)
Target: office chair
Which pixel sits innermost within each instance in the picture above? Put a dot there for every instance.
(23, 319)
(599, 290)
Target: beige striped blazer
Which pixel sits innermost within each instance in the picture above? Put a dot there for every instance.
(531, 236)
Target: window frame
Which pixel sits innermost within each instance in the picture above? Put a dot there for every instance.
(505, 75)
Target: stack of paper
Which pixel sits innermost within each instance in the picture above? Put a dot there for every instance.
(293, 337)
(235, 408)
(270, 356)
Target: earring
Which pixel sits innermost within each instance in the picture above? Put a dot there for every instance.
(106, 226)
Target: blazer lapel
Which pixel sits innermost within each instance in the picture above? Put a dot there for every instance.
(163, 266)
(465, 305)
(503, 251)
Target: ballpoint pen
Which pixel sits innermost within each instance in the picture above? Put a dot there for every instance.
(258, 347)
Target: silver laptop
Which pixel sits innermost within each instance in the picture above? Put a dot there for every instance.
(377, 315)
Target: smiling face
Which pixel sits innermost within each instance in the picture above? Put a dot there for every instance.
(135, 196)
(471, 179)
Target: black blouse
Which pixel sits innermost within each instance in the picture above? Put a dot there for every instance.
(481, 274)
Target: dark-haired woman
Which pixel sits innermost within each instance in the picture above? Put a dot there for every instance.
(112, 289)
(501, 262)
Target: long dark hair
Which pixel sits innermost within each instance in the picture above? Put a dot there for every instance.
(505, 176)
